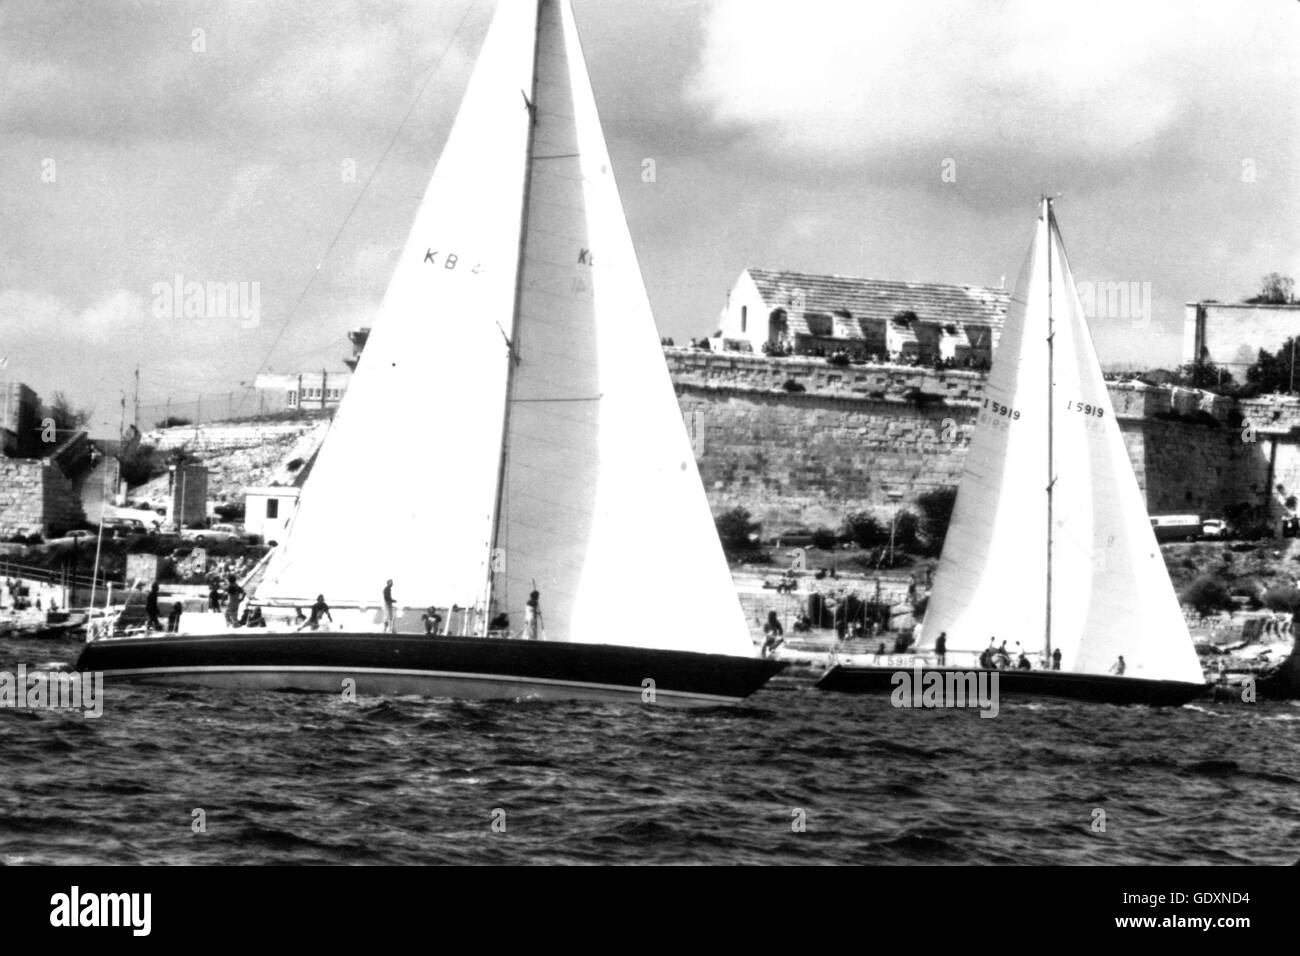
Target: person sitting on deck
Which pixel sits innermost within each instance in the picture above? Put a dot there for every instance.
(432, 620)
(1023, 664)
(317, 610)
(1002, 656)
(986, 658)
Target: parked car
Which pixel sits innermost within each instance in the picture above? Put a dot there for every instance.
(1214, 528)
(122, 527)
(218, 532)
(79, 536)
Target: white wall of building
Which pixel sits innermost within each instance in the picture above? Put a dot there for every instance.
(267, 511)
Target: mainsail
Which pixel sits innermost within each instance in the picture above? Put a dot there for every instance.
(601, 508)
(603, 511)
(1110, 593)
(404, 485)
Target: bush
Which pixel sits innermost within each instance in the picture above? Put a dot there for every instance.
(736, 531)
(172, 421)
(792, 386)
(1282, 599)
(1207, 595)
(863, 529)
(825, 538)
(231, 511)
(936, 514)
(907, 527)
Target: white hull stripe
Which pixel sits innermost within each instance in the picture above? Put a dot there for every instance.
(399, 672)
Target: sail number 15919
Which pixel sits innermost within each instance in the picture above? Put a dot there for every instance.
(997, 408)
(1083, 408)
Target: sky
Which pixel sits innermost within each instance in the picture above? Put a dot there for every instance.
(909, 140)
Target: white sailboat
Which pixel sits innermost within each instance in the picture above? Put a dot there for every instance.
(510, 450)
(1050, 547)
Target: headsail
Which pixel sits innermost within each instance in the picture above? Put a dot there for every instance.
(1111, 594)
(602, 507)
(404, 485)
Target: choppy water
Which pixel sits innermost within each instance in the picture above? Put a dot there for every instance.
(290, 778)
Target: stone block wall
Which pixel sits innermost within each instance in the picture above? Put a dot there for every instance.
(36, 498)
(857, 436)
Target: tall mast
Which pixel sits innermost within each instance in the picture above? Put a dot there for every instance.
(1051, 398)
(530, 104)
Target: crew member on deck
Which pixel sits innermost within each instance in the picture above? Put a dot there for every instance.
(317, 610)
(1056, 659)
(941, 647)
(1118, 667)
(432, 619)
(151, 607)
(390, 618)
(773, 634)
(533, 617)
(174, 619)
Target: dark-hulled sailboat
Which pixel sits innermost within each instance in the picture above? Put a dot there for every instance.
(510, 450)
(1050, 546)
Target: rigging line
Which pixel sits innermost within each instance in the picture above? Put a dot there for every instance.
(433, 71)
(530, 401)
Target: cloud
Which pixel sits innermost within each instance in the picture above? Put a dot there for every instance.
(143, 70)
(845, 82)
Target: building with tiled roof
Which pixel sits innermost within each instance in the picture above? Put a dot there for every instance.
(922, 321)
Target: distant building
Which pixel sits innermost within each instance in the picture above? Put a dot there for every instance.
(267, 511)
(323, 389)
(19, 426)
(187, 498)
(804, 313)
(1233, 333)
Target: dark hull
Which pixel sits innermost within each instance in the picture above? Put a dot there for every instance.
(1283, 683)
(458, 667)
(1097, 688)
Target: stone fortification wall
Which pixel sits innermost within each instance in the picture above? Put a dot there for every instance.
(35, 498)
(859, 438)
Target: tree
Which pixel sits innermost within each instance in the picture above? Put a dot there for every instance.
(66, 418)
(1274, 289)
(907, 527)
(1273, 371)
(139, 465)
(736, 531)
(1204, 375)
(936, 514)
